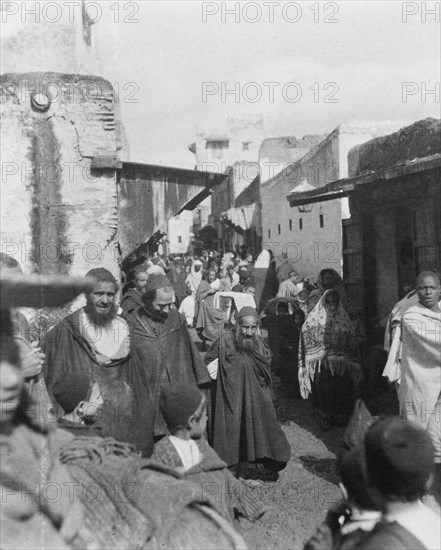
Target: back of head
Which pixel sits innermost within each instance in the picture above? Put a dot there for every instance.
(177, 404)
(399, 458)
(155, 282)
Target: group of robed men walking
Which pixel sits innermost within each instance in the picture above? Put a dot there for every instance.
(133, 359)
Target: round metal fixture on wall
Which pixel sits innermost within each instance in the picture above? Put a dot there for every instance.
(40, 102)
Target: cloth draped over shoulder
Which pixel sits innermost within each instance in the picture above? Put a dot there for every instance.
(127, 412)
(420, 360)
(167, 355)
(245, 426)
(209, 319)
(327, 343)
(231, 497)
(134, 504)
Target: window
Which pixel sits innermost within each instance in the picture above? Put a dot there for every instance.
(300, 224)
(278, 229)
(179, 239)
(290, 225)
(322, 221)
(269, 233)
(245, 145)
(217, 144)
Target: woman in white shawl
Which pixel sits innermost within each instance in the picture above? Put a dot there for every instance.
(329, 359)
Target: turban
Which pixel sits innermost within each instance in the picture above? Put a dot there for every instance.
(247, 311)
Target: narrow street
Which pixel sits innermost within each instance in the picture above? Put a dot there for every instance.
(298, 501)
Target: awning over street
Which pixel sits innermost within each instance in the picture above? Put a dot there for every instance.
(243, 217)
(149, 195)
(344, 187)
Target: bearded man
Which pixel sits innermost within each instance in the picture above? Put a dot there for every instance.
(132, 298)
(93, 344)
(163, 346)
(245, 426)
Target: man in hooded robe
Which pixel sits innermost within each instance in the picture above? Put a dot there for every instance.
(163, 346)
(94, 343)
(245, 426)
(132, 298)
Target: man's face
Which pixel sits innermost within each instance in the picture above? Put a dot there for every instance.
(11, 385)
(141, 281)
(161, 305)
(247, 333)
(211, 276)
(428, 290)
(250, 290)
(230, 270)
(101, 305)
(197, 268)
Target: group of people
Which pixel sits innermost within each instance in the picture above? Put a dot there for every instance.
(128, 373)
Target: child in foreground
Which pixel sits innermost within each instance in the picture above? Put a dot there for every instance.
(187, 451)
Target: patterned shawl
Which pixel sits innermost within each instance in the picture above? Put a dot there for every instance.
(327, 342)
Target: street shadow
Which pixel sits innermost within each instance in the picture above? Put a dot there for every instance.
(326, 468)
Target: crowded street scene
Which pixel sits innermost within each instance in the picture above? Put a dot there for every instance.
(220, 285)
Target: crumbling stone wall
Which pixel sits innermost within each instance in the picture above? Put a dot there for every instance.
(58, 215)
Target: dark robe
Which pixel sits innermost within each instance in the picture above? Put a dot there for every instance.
(130, 301)
(177, 279)
(127, 413)
(168, 355)
(245, 426)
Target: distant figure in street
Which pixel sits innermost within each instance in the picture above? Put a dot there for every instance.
(163, 345)
(284, 268)
(245, 426)
(208, 319)
(329, 359)
(284, 319)
(230, 280)
(132, 298)
(415, 361)
(194, 278)
(328, 279)
(177, 275)
(289, 288)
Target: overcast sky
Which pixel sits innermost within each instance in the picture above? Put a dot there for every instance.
(329, 62)
(361, 62)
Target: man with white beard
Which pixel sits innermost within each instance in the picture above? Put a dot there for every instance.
(245, 428)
